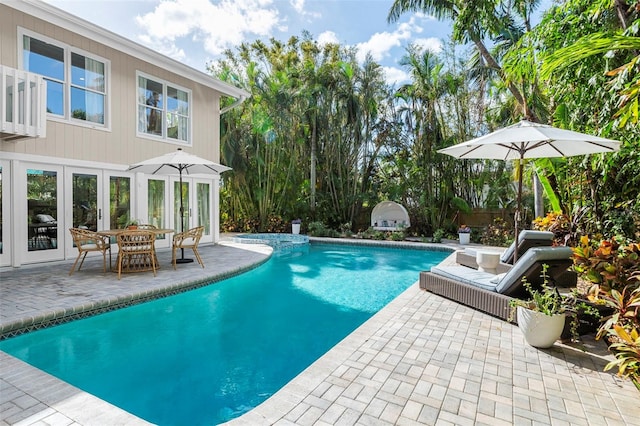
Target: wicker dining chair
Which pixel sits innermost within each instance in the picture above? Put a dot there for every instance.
(136, 252)
(87, 241)
(187, 240)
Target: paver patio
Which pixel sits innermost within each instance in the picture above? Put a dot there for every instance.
(421, 360)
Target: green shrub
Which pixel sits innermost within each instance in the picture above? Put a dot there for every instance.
(499, 234)
(318, 229)
(397, 236)
(345, 230)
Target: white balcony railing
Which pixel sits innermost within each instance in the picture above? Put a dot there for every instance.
(23, 104)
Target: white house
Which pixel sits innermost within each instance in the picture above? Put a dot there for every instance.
(78, 105)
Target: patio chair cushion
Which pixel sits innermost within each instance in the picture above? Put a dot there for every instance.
(526, 240)
(530, 266)
(558, 259)
(467, 275)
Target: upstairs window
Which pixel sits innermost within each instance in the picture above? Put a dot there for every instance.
(76, 81)
(163, 110)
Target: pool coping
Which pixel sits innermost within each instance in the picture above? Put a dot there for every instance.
(57, 402)
(61, 316)
(61, 400)
(85, 310)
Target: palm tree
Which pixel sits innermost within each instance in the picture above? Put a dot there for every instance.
(473, 20)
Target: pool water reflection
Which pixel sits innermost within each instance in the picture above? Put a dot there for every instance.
(209, 355)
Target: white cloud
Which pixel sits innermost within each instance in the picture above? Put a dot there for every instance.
(431, 44)
(379, 45)
(395, 75)
(298, 5)
(218, 26)
(327, 37)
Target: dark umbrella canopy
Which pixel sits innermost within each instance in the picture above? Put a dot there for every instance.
(530, 140)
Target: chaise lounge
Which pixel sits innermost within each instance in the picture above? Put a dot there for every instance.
(492, 293)
(526, 239)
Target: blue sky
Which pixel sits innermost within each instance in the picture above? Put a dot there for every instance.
(197, 31)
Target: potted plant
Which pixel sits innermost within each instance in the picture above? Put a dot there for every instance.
(133, 224)
(464, 234)
(295, 226)
(541, 318)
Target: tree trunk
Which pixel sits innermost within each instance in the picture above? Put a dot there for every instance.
(528, 114)
(537, 193)
(312, 173)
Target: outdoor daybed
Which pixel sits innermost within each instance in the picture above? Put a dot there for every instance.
(389, 216)
(492, 293)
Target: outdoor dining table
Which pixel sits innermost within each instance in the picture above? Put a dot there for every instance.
(114, 233)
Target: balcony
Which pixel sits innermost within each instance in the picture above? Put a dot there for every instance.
(23, 104)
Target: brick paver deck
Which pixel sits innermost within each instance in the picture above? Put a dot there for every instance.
(421, 360)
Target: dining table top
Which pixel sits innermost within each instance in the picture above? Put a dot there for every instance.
(114, 232)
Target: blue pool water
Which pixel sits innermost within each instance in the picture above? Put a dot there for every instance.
(209, 355)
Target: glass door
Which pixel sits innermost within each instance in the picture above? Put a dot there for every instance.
(203, 208)
(5, 186)
(157, 208)
(86, 208)
(43, 224)
(181, 200)
(197, 203)
(120, 194)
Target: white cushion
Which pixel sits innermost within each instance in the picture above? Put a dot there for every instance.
(496, 279)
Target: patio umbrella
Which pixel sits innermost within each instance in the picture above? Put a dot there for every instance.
(179, 163)
(529, 140)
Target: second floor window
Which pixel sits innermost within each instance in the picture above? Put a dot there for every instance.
(76, 82)
(163, 110)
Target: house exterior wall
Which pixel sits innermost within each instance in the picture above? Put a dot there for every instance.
(75, 149)
(119, 143)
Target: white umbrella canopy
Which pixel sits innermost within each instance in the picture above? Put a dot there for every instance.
(179, 163)
(530, 140)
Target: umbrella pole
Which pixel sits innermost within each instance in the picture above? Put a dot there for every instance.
(518, 206)
(182, 259)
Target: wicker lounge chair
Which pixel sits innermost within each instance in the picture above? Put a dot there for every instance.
(492, 293)
(526, 239)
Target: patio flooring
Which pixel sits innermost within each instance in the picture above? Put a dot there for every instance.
(421, 360)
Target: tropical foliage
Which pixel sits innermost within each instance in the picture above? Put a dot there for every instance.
(613, 269)
(324, 137)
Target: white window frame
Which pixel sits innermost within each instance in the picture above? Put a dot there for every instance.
(141, 105)
(67, 83)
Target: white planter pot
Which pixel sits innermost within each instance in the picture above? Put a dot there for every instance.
(465, 238)
(540, 330)
(295, 228)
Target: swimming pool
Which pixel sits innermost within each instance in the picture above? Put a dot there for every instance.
(211, 354)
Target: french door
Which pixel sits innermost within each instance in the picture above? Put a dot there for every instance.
(86, 204)
(196, 197)
(5, 211)
(41, 227)
(98, 200)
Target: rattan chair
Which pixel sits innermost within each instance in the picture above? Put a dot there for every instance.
(187, 240)
(87, 241)
(136, 252)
